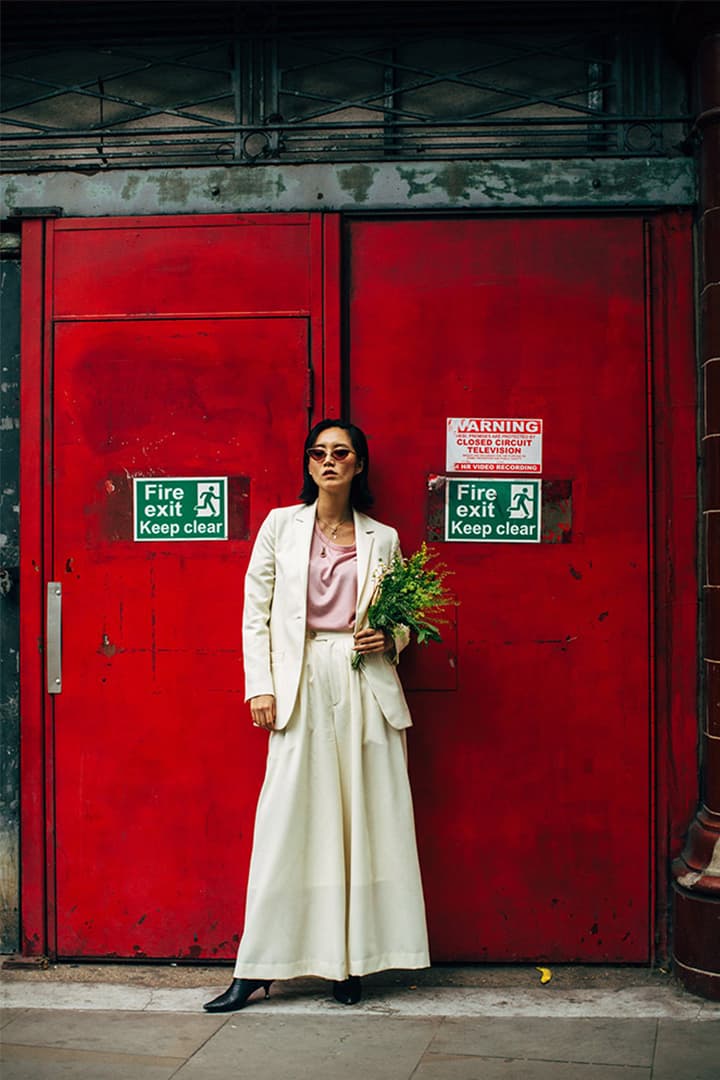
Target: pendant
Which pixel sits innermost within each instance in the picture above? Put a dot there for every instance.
(323, 554)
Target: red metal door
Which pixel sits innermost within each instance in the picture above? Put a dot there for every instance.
(185, 347)
(531, 754)
(180, 349)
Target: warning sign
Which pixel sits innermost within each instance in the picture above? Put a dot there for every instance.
(494, 444)
(492, 511)
(180, 508)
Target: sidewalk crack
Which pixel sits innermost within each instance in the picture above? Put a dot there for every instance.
(202, 1045)
(427, 1049)
(654, 1049)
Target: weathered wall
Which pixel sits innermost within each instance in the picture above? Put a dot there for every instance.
(454, 185)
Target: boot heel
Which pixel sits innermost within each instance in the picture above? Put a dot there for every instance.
(237, 994)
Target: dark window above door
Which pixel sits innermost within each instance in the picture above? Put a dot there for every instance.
(117, 84)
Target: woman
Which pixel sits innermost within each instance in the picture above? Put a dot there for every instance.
(334, 887)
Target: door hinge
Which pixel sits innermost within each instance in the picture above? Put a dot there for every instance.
(309, 388)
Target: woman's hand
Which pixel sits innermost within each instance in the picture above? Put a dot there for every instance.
(262, 709)
(372, 641)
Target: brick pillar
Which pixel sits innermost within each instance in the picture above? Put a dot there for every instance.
(696, 887)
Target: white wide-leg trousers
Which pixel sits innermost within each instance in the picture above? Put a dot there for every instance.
(334, 887)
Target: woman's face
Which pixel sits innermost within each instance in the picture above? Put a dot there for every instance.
(330, 474)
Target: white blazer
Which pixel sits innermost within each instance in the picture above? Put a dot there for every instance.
(275, 612)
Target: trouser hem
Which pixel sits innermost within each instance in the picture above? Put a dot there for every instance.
(323, 970)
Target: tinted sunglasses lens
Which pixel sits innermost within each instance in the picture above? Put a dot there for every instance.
(340, 454)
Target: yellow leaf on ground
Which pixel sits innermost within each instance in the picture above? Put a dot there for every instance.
(545, 974)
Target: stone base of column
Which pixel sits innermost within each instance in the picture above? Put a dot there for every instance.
(696, 942)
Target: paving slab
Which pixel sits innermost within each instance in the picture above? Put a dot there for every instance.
(83, 996)
(447, 1067)
(650, 1002)
(8, 1015)
(275, 1044)
(54, 1063)
(168, 1035)
(308, 1048)
(687, 1052)
(599, 1042)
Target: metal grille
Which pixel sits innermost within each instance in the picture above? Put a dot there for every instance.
(261, 83)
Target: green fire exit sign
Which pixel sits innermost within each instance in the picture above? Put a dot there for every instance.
(492, 511)
(180, 508)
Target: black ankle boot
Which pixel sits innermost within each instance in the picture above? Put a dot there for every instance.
(349, 991)
(236, 995)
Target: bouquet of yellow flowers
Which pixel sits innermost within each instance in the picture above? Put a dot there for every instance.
(406, 592)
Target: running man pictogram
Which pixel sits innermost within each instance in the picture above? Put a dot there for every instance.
(208, 504)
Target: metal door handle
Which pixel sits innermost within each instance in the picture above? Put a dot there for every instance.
(53, 641)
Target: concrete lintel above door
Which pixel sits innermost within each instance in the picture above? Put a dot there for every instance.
(551, 183)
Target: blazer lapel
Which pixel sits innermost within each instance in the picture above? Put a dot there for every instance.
(304, 525)
(364, 543)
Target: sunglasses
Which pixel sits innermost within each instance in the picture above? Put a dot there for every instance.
(340, 453)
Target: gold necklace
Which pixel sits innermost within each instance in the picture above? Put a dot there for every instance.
(333, 530)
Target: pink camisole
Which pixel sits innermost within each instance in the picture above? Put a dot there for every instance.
(332, 585)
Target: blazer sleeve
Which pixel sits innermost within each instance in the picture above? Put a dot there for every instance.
(259, 591)
(401, 636)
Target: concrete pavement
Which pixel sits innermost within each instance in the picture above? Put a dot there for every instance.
(446, 1024)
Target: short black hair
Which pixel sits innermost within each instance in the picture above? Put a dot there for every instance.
(360, 494)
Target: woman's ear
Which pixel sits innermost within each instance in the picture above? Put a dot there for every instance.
(359, 466)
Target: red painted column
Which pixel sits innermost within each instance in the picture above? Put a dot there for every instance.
(696, 944)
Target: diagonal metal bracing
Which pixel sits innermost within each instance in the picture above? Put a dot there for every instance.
(89, 89)
(143, 112)
(593, 110)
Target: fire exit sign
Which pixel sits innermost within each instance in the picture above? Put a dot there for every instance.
(492, 511)
(180, 508)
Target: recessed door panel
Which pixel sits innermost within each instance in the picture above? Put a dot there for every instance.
(157, 767)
